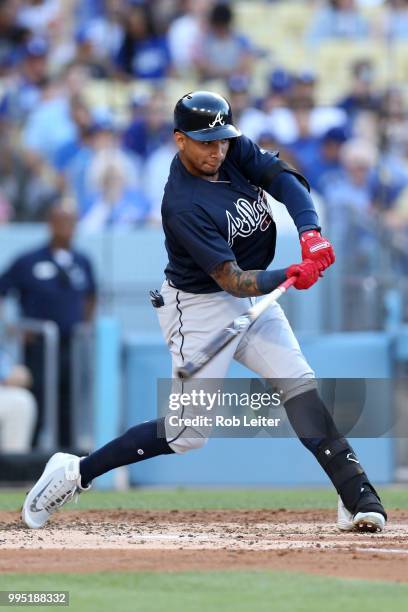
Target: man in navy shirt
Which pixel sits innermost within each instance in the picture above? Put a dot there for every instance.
(220, 239)
(54, 283)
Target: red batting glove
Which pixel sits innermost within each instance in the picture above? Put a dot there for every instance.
(316, 248)
(307, 273)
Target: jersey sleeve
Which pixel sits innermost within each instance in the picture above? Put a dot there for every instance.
(200, 237)
(259, 166)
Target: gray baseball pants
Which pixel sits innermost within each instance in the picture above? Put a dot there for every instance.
(269, 348)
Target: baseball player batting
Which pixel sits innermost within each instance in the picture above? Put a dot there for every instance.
(220, 240)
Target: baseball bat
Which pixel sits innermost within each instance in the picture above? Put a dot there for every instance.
(227, 335)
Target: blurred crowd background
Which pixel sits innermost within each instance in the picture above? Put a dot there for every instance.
(87, 91)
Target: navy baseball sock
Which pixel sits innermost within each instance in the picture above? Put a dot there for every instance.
(138, 443)
(317, 431)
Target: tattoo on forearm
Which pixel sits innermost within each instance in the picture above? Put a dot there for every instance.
(240, 283)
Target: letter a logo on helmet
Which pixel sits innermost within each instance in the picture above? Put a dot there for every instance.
(203, 116)
(218, 119)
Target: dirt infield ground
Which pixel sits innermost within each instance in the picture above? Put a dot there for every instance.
(118, 540)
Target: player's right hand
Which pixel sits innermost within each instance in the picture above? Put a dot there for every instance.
(307, 273)
(317, 248)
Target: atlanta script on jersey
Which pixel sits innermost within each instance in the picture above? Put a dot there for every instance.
(250, 215)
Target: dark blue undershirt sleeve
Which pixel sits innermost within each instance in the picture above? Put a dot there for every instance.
(268, 280)
(287, 188)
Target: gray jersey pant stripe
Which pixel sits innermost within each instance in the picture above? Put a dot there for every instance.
(171, 441)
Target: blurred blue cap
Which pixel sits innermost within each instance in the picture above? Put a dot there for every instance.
(238, 83)
(82, 35)
(336, 134)
(280, 80)
(36, 47)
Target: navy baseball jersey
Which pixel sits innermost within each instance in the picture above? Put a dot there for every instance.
(48, 290)
(208, 222)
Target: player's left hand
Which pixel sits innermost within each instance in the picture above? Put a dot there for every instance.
(316, 248)
(307, 273)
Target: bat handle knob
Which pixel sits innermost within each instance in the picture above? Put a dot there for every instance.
(185, 371)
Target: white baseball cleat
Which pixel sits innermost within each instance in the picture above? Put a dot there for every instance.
(373, 522)
(57, 485)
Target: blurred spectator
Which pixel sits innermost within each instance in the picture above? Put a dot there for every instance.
(391, 177)
(389, 180)
(392, 122)
(54, 109)
(305, 147)
(27, 184)
(287, 94)
(5, 209)
(349, 202)
(100, 134)
(25, 89)
(326, 166)
(100, 140)
(150, 127)
(55, 283)
(18, 410)
(304, 87)
(249, 119)
(87, 10)
(82, 118)
(276, 117)
(267, 141)
(223, 51)
(339, 19)
(185, 32)
(350, 190)
(392, 125)
(144, 53)
(397, 216)
(99, 41)
(395, 23)
(362, 97)
(117, 200)
(280, 83)
(12, 36)
(39, 16)
(163, 11)
(322, 116)
(155, 175)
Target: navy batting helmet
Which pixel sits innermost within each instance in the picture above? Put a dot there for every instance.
(204, 115)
